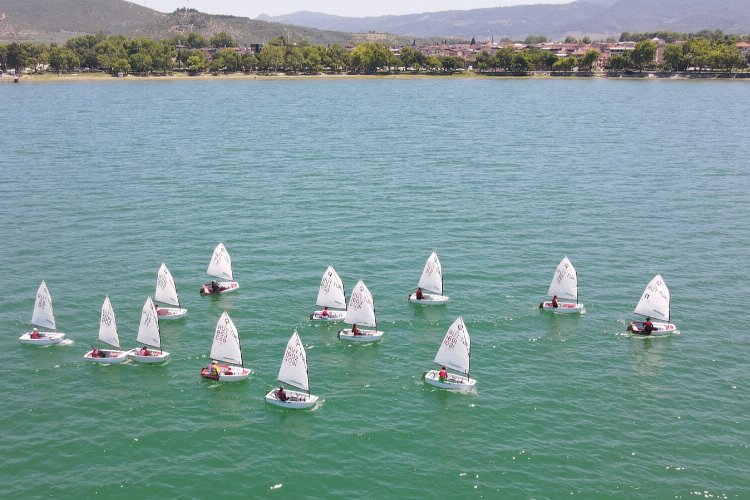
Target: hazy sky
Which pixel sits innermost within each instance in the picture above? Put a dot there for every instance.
(350, 8)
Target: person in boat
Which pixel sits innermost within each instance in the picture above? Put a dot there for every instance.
(215, 369)
(144, 351)
(648, 327)
(419, 295)
(554, 301)
(281, 394)
(443, 375)
(215, 287)
(325, 313)
(35, 334)
(356, 330)
(96, 353)
(161, 312)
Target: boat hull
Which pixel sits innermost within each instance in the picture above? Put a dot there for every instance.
(47, 338)
(153, 357)
(454, 382)
(224, 287)
(562, 308)
(660, 329)
(429, 299)
(364, 336)
(295, 400)
(333, 315)
(111, 357)
(167, 313)
(228, 373)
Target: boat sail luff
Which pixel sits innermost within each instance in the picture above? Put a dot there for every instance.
(331, 292)
(432, 275)
(148, 330)
(166, 291)
(655, 301)
(564, 282)
(293, 369)
(455, 350)
(361, 308)
(220, 265)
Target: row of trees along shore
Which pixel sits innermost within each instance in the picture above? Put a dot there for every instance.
(195, 54)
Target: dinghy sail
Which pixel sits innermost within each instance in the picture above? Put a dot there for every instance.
(654, 303)
(149, 335)
(330, 295)
(43, 317)
(220, 267)
(564, 286)
(107, 335)
(293, 372)
(226, 348)
(361, 311)
(454, 354)
(166, 293)
(430, 281)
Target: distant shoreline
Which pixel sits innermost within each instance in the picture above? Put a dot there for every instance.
(106, 77)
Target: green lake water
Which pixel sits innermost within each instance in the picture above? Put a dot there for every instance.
(101, 182)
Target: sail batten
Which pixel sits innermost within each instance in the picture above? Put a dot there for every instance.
(108, 325)
(43, 315)
(148, 330)
(226, 343)
(564, 282)
(654, 302)
(293, 370)
(331, 292)
(455, 351)
(432, 275)
(221, 264)
(361, 308)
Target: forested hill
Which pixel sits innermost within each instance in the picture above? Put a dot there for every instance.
(598, 18)
(58, 20)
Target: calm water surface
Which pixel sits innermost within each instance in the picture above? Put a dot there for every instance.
(101, 182)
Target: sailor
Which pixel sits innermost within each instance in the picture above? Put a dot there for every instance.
(281, 394)
(419, 295)
(35, 334)
(356, 330)
(324, 313)
(215, 287)
(554, 301)
(443, 375)
(648, 327)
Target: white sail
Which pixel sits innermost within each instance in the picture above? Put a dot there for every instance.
(221, 264)
(148, 330)
(166, 291)
(43, 315)
(108, 325)
(361, 309)
(331, 292)
(293, 369)
(226, 345)
(455, 351)
(655, 300)
(564, 282)
(432, 275)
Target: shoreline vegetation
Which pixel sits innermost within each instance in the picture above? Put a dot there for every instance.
(700, 55)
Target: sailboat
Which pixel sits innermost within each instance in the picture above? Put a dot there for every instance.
(220, 267)
(148, 335)
(108, 335)
(226, 348)
(361, 311)
(293, 371)
(331, 294)
(166, 293)
(431, 281)
(42, 317)
(454, 354)
(654, 303)
(564, 286)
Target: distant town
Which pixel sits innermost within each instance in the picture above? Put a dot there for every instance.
(704, 54)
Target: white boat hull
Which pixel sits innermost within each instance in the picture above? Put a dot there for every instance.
(224, 287)
(295, 400)
(111, 357)
(429, 299)
(660, 328)
(47, 338)
(333, 315)
(153, 357)
(364, 336)
(166, 313)
(454, 382)
(562, 307)
(228, 373)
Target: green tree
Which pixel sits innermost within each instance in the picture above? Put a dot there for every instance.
(196, 41)
(697, 53)
(248, 62)
(674, 59)
(140, 62)
(335, 57)
(121, 66)
(451, 64)
(485, 61)
(63, 59)
(408, 57)
(197, 63)
(571, 39)
(227, 60)
(520, 63)
(504, 58)
(222, 40)
(589, 59)
(433, 63)
(643, 54)
(371, 56)
(535, 39)
(271, 58)
(565, 64)
(619, 62)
